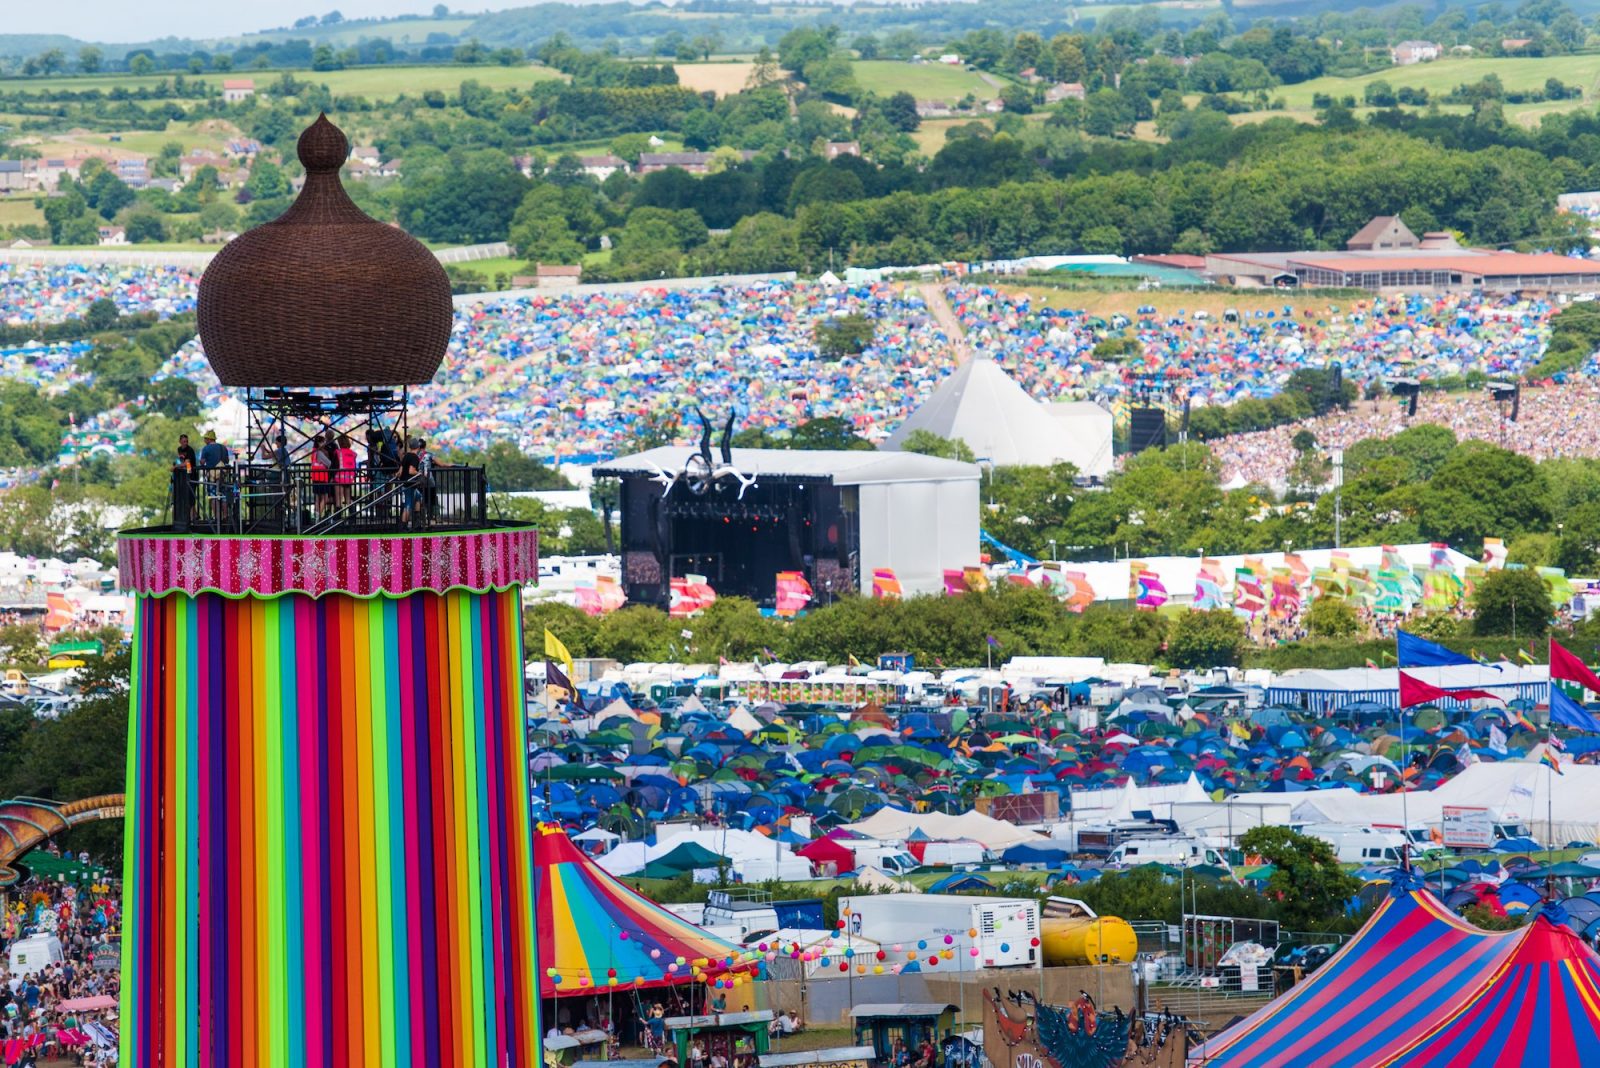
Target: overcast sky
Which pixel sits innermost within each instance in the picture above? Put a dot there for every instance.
(132, 20)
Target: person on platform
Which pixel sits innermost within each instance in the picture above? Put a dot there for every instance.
(411, 480)
(189, 465)
(323, 463)
(214, 461)
(345, 479)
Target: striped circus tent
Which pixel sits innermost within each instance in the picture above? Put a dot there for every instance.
(595, 932)
(1420, 987)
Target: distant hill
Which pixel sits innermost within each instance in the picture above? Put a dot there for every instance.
(23, 45)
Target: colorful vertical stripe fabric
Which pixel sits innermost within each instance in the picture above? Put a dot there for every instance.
(598, 934)
(329, 850)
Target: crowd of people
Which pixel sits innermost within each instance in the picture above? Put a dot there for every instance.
(582, 375)
(1552, 423)
(56, 292)
(1216, 359)
(58, 1002)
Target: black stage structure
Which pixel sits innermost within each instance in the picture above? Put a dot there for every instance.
(740, 516)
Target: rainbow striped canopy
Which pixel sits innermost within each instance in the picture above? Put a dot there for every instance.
(1419, 986)
(593, 929)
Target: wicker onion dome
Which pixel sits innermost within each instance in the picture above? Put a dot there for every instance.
(324, 295)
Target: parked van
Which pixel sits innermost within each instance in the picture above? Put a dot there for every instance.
(1174, 852)
(35, 954)
(1360, 845)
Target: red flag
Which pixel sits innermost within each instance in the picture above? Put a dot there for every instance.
(1414, 691)
(1565, 666)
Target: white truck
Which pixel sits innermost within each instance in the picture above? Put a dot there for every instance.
(1176, 852)
(888, 856)
(953, 854)
(1008, 928)
(1359, 845)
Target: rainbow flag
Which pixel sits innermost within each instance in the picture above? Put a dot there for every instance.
(1548, 759)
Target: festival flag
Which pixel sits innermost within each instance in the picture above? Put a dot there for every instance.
(689, 594)
(1557, 583)
(1566, 712)
(558, 669)
(975, 579)
(1438, 555)
(885, 584)
(1413, 691)
(1135, 568)
(1297, 568)
(1208, 593)
(850, 658)
(1494, 554)
(1549, 760)
(1442, 589)
(1497, 739)
(1285, 595)
(58, 612)
(1566, 666)
(794, 593)
(1248, 598)
(1080, 594)
(1524, 656)
(1150, 592)
(954, 581)
(1420, 652)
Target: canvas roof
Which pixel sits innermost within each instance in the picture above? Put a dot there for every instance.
(983, 406)
(1419, 986)
(894, 824)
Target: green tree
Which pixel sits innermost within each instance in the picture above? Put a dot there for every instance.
(1483, 491)
(1511, 602)
(1200, 640)
(90, 59)
(145, 226)
(266, 181)
(174, 397)
(928, 443)
(900, 109)
(637, 633)
(734, 628)
(509, 469)
(847, 335)
(1311, 888)
(1332, 617)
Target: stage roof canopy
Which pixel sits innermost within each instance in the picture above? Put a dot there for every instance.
(842, 467)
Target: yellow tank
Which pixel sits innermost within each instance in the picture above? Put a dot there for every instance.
(1082, 940)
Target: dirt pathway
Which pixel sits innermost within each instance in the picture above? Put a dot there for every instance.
(945, 316)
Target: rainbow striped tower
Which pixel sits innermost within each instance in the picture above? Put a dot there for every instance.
(328, 842)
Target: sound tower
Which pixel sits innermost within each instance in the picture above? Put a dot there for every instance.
(1147, 429)
(1516, 403)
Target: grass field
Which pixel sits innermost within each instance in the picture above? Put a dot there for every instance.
(1127, 302)
(19, 211)
(208, 133)
(1441, 76)
(724, 79)
(925, 81)
(378, 83)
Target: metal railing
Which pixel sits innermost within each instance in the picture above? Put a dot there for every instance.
(263, 499)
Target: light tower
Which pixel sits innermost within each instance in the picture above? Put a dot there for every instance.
(329, 855)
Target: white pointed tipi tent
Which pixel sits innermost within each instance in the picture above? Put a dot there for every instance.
(983, 406)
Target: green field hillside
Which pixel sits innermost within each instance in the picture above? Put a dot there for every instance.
(925, 81)
(1441, 76)
(376, 83)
